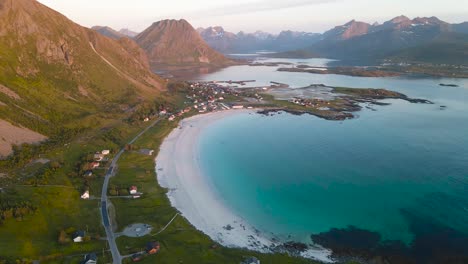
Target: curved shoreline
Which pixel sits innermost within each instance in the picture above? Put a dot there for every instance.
(178, 170)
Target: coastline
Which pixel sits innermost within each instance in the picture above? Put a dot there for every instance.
(178, 170)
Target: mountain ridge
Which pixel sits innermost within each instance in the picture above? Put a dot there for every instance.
(360, 41)
(172, 42)
(63, 71)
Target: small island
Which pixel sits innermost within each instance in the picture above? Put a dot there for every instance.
(350, 71)
(327, 102)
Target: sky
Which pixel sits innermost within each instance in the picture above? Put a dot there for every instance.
(252, 15)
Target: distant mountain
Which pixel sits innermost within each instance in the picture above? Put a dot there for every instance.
(127, 32)
(172, 42)
(288, 40)
(347, 31)
(227, 42)
(397, 38)
(54, 72)
(448, 48)
(217, 38)
(108, 32)
(460, 28)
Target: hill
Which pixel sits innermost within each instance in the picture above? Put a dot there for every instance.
(176, 42)
(55, 72)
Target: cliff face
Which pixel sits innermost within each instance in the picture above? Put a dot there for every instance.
(62, 70)
(177, 42)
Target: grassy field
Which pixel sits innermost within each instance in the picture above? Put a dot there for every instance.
(180, 242)
(57, 200)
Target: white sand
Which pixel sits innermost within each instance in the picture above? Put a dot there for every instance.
(178, 170)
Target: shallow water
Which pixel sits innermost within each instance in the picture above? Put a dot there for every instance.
(294, 176)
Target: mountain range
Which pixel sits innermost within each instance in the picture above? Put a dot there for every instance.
(400, 39)
(423, 39)
(227, 42)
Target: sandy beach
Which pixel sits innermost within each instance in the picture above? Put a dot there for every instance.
(178, 170)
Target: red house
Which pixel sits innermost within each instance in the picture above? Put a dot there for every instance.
(152, 247)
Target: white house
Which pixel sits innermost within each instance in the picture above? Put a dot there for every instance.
(238, 107)
(133, 190)
(78, 236)
(85, 195)
(90, 259)
(105, 152)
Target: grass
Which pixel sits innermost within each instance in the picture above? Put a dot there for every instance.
(58, 202)
(58, 208)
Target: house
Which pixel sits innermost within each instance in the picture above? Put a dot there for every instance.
(85, 195)
(133, 190)
(94, 165)
(137, 257)
(163, 112)
(90, 259)
(78, 236)
(238, 107)
(152, 247)
(251, 260)
(146, 119)
(98, 157)
(105, 152)
(171, 118)
(148, 152)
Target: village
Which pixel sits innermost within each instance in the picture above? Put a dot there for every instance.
(201, 97)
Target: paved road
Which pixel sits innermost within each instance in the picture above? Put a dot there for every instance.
(105, 202)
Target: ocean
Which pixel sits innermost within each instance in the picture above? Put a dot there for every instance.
(399, 173)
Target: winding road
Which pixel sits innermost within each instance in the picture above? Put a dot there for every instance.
(105, 202)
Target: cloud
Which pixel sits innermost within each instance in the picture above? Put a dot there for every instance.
(251, 7)
(261, 6)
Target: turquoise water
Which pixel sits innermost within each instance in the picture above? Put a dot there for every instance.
(294, 176)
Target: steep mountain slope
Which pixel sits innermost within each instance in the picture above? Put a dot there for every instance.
(460, 28)
(108, 32)
(448, 48)
(172, 42)
(56, 72)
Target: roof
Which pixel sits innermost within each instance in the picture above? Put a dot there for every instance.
(147, 151)
(90, 256)
(78, 233)
(251, 260)
(133, 188)
(152, 245)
